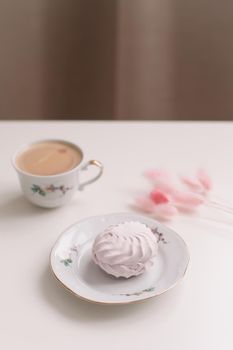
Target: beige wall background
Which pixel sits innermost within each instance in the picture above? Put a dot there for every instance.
(57, 58)
(117, 59)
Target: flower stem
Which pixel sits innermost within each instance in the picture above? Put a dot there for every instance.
(220, 200)
(219, 207)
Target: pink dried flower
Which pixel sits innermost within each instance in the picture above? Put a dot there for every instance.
(168, 197)
(145, 204)
(192, 183)
(162, 211)
(157, 174)
(201, 183)
(160, 179)
(159, 197)
(204, 179)
(188, 199)
(165, 211)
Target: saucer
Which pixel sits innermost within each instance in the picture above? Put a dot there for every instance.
(72, 264)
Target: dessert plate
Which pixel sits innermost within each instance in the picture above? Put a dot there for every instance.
(72, 264)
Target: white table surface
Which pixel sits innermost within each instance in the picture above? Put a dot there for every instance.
(37, 313)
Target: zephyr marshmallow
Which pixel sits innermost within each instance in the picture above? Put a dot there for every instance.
(125, 250)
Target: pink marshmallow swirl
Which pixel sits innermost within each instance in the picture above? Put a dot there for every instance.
(126, 249)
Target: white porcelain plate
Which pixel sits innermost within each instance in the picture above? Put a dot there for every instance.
(72, 263)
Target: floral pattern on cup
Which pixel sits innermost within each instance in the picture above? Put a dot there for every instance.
(43, 191)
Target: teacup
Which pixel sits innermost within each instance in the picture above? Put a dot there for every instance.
(51, 191)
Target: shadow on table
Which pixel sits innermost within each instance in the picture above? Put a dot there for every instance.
(70, 306)
(17, 206)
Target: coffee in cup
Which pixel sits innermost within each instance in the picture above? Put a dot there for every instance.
(49, 171)
(48, 158)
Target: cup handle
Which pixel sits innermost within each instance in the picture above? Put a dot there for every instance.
(85, 167)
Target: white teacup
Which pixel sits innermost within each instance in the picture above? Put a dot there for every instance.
(50, 191)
